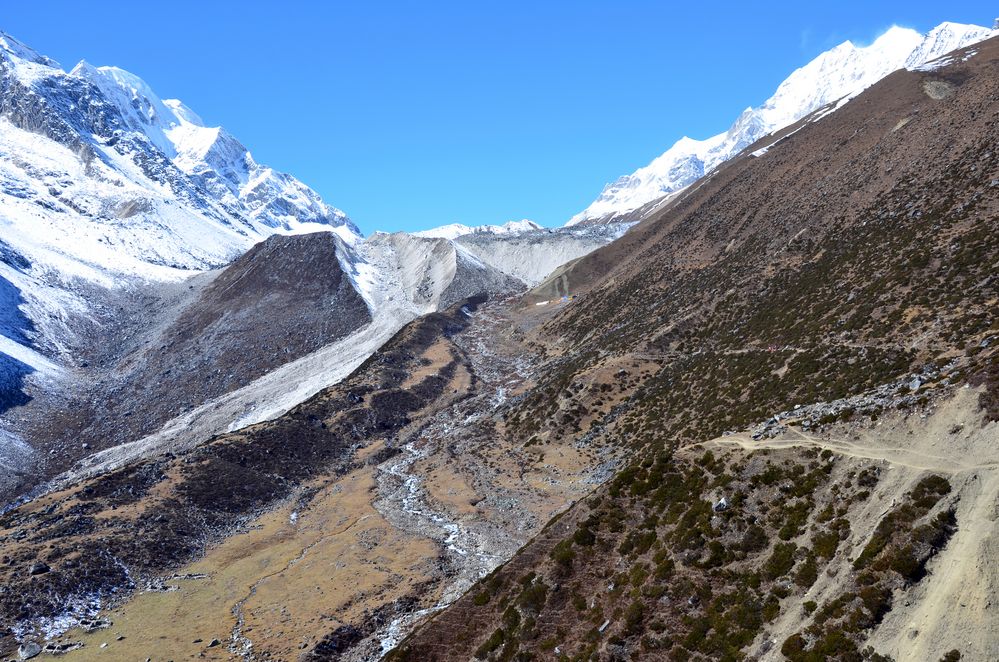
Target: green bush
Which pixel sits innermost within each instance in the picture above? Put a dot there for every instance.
(494, 641)
(807, 573)
(781, 560)
(633, 617)
(824, 544)
(533, 596)
(584, 536)
(754, 539)
(562, 554)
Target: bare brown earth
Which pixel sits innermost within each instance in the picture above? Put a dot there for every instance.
(298, 571)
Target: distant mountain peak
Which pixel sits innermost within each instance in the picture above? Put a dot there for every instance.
(19, 50)
(455, 230)
(838, 73)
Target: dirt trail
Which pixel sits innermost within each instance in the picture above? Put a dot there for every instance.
(954, 606)
(899, 456)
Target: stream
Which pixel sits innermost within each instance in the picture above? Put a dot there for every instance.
(471, 549)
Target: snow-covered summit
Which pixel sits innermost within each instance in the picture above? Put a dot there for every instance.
(947, 37)
(211, 155)
(455, 230)
(840, 72)
(99, 175)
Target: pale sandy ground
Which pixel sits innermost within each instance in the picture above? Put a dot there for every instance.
(954, 606)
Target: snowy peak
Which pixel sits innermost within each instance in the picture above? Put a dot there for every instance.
(833, 76)
(213, 156)
(945, 38)
(455, 230)
(101, 179)
(14, 48)
(836, 73)
(141, 109)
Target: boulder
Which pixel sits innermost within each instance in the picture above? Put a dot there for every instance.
(28, 650)
(38, 568)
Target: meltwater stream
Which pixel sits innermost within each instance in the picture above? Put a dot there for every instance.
(471, 551)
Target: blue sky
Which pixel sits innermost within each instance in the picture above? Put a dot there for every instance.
(414, 114)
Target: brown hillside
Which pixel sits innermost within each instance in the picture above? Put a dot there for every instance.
(850, 263)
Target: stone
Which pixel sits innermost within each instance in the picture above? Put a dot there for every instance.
(38, 568)
(28, 650)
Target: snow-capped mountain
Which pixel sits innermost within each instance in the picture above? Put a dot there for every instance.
(843, 71)
(455, 230)
(211, 155)
(98, 175)
(105, 188)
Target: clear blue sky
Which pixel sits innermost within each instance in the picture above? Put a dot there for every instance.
(413, 114)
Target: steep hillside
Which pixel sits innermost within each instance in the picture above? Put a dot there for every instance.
(178, 349)
(801, 352)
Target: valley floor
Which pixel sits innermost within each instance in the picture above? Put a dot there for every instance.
(350, 563)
